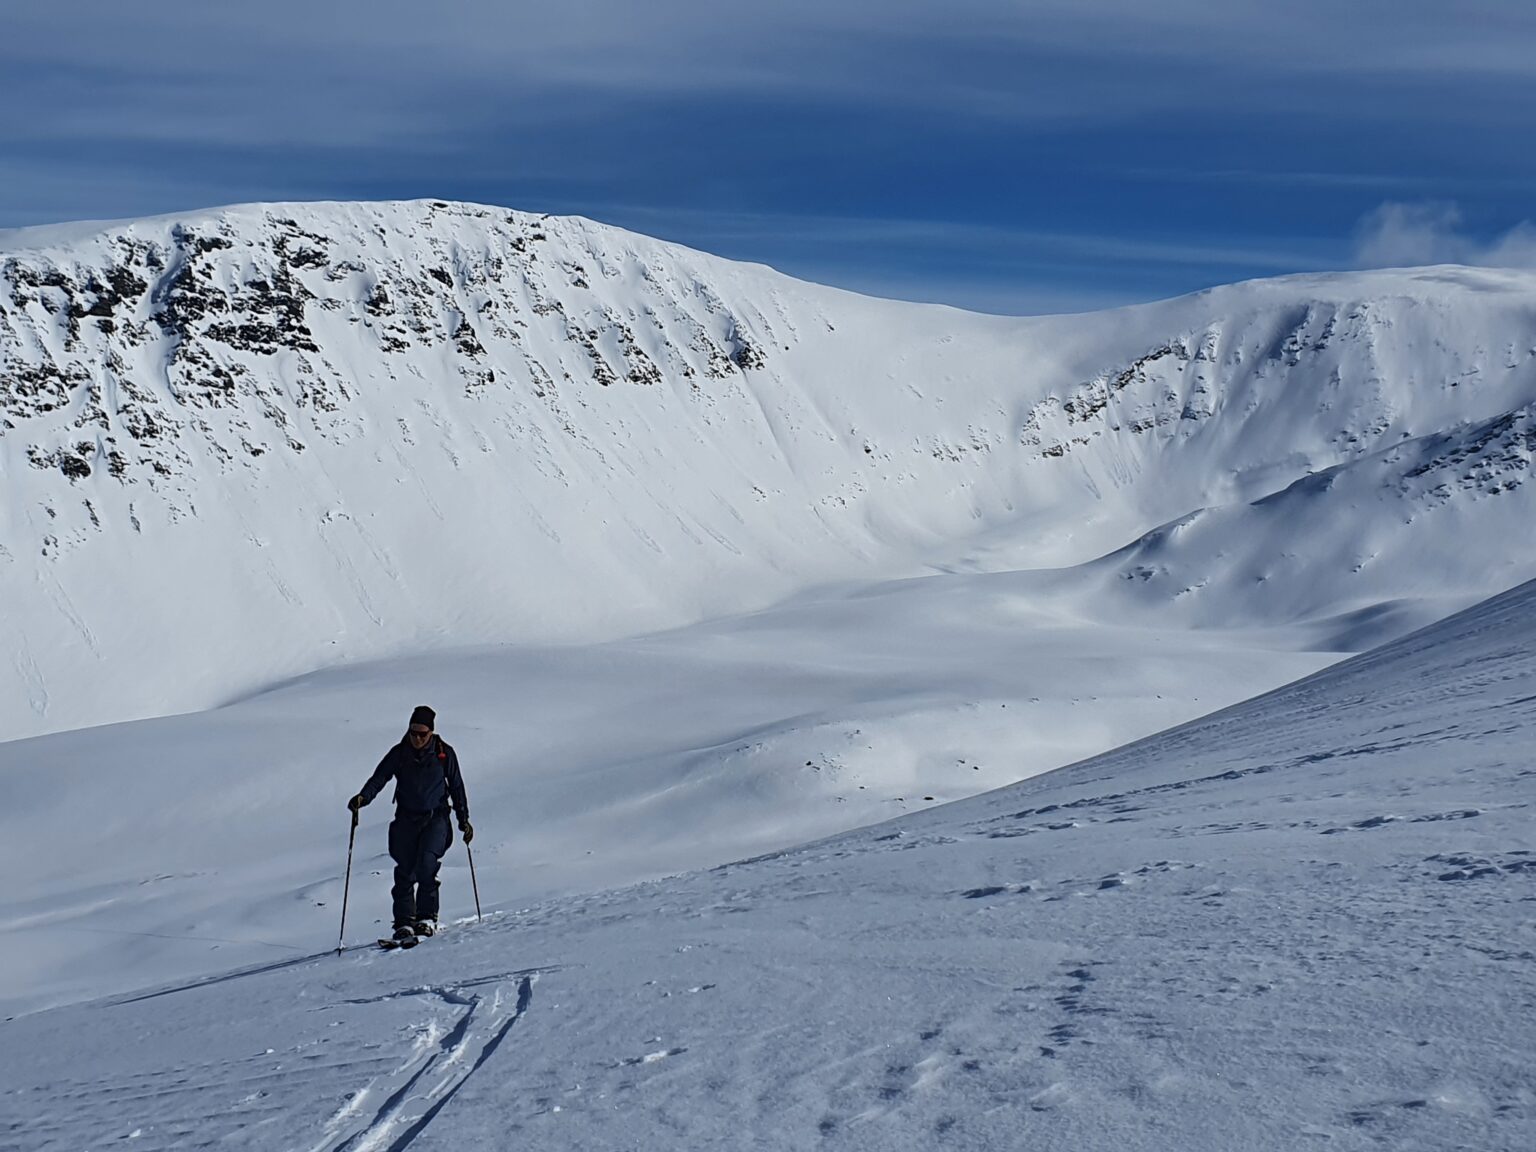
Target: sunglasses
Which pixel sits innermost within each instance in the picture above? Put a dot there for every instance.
(418, 733)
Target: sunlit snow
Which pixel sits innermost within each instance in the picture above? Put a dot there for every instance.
(697, 564)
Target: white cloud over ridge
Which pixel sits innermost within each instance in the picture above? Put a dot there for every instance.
(1400, 235)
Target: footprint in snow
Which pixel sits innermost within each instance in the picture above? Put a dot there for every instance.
(651, 1057)
(997, 890)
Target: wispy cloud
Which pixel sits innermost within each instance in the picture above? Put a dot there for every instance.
(993, 148)
(312, 72)
(1402, 183)
(1002, 241)
(986, 267)
(1398, 235)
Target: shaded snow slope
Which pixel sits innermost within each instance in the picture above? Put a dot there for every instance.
(239, 445)
(203, 841)
(1303, 920)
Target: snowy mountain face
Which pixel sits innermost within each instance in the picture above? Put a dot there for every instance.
(241, 445)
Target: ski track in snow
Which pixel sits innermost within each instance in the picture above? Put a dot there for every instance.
(1301, 921)
(388, 1100)
(417, 1092)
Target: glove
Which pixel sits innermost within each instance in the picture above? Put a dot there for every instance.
(467, 830)
(356, 802)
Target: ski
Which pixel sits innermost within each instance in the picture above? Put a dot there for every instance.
(422, 932)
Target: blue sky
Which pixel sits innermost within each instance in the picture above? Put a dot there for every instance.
(1012, 157)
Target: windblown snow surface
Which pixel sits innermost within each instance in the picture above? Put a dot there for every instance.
(1305, 921)
(699, 563)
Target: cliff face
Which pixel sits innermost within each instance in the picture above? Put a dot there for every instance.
(242, 444)
(165, 344)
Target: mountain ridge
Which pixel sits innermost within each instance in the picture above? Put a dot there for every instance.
(484, 425)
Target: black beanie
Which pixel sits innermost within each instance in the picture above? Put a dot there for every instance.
(424, 715)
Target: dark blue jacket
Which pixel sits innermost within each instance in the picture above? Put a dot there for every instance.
(424, 781)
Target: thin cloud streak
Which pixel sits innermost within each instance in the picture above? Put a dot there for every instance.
(991, 237)
(367, 64)
(989, 268)
(588, 39)
(1419, 182)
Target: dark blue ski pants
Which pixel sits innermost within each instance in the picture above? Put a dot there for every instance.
(417, 844)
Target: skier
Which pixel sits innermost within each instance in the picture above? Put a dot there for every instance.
(426, 774)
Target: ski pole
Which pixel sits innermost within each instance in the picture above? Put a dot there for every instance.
(473, 883)
(346, 887)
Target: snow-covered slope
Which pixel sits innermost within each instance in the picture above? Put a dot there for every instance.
(176, 846)
(1302, 921)
(240, 445)
(315, 464)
